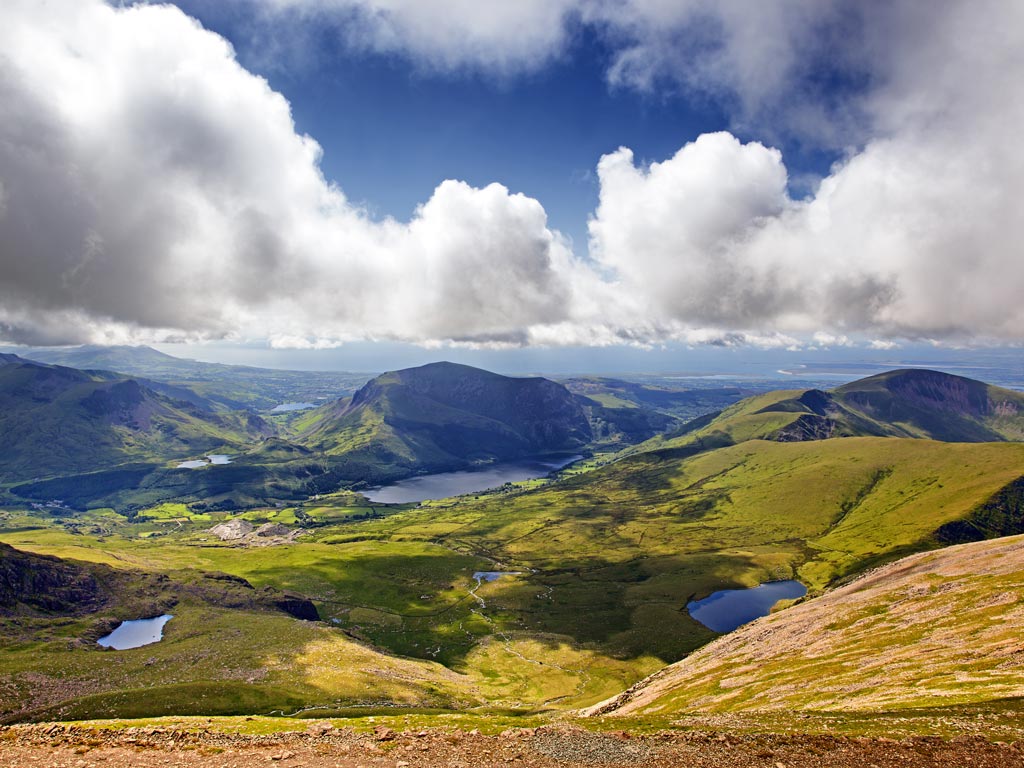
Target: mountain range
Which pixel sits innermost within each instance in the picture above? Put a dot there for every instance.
(917, 403)
(228, 387)
(534, 598)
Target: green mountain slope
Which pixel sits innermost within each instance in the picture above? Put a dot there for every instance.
(617, 553)
(902, 403)
(930, 630)
(923, 403)
(53, 610)
(443, 415)
(56, 420)
(603, 565)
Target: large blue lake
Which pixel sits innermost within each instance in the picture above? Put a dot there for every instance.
(445, 484)
(727, 609)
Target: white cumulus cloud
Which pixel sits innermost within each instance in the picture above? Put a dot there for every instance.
(152, 188)
(915, 235)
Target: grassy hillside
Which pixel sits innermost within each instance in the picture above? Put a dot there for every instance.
(615, 554)
(604, 564)
(443, 416)
(599, 566)
(933, 629)
(903, 403)
(56, 420)
(834, 505)
(229, 649)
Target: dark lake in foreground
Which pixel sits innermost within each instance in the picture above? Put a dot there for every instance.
(727, 609)
(445, 484)
(134, 634)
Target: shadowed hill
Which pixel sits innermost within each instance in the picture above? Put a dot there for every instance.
(445, 415)
(33, 584)
(57, 420)
(42, 585)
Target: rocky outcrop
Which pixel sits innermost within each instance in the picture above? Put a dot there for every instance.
(293, 604)
(1001, 515)
(269, 530)
(31, 584)
(38, 585)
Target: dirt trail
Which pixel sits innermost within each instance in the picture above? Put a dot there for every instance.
(58, 746)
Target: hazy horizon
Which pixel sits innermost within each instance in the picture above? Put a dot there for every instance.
(1002, 366)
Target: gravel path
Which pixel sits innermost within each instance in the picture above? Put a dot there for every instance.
(57, 746)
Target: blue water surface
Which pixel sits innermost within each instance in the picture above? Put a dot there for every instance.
(445, 484)
(727, 609)
(134, 634)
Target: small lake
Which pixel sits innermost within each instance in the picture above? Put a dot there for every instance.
(135, 634)
(727, 609)
(445, 484)
(286, 407)
(213, 458)
(482, 576)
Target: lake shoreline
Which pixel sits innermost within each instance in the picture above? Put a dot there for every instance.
(442, 485)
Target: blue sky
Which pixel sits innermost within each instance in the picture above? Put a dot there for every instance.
(392, 129)
(564, 180)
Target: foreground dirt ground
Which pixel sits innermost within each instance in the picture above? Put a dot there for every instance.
(59, 746)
